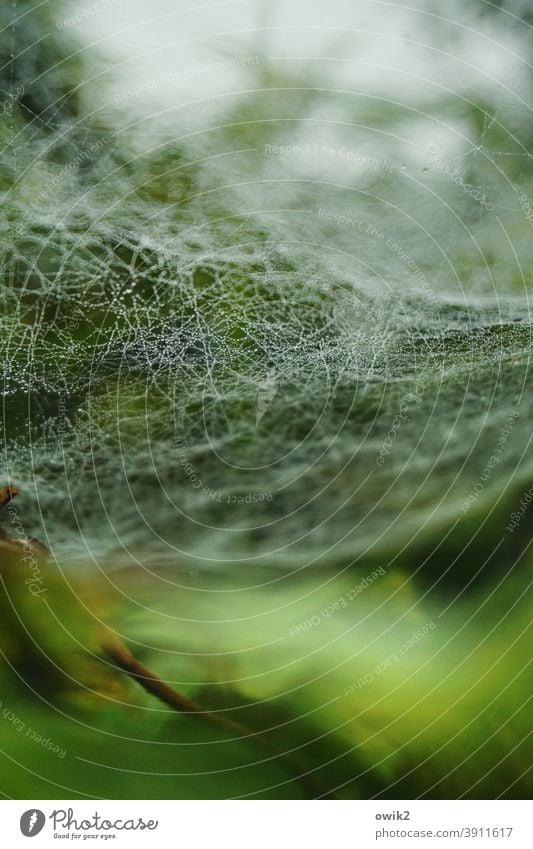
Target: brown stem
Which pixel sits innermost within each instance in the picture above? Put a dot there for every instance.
(124, 659)
(7, 494)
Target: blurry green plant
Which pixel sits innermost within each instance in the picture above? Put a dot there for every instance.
(150, 288)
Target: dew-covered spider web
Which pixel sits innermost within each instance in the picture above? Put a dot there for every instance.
(285, 325)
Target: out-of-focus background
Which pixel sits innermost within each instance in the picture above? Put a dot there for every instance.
(266, 395)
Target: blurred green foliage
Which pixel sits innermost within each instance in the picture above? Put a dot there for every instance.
(148, 287)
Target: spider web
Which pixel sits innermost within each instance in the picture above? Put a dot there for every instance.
(214, 325)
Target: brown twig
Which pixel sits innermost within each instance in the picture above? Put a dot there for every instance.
(7, 494)
(124, 659)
